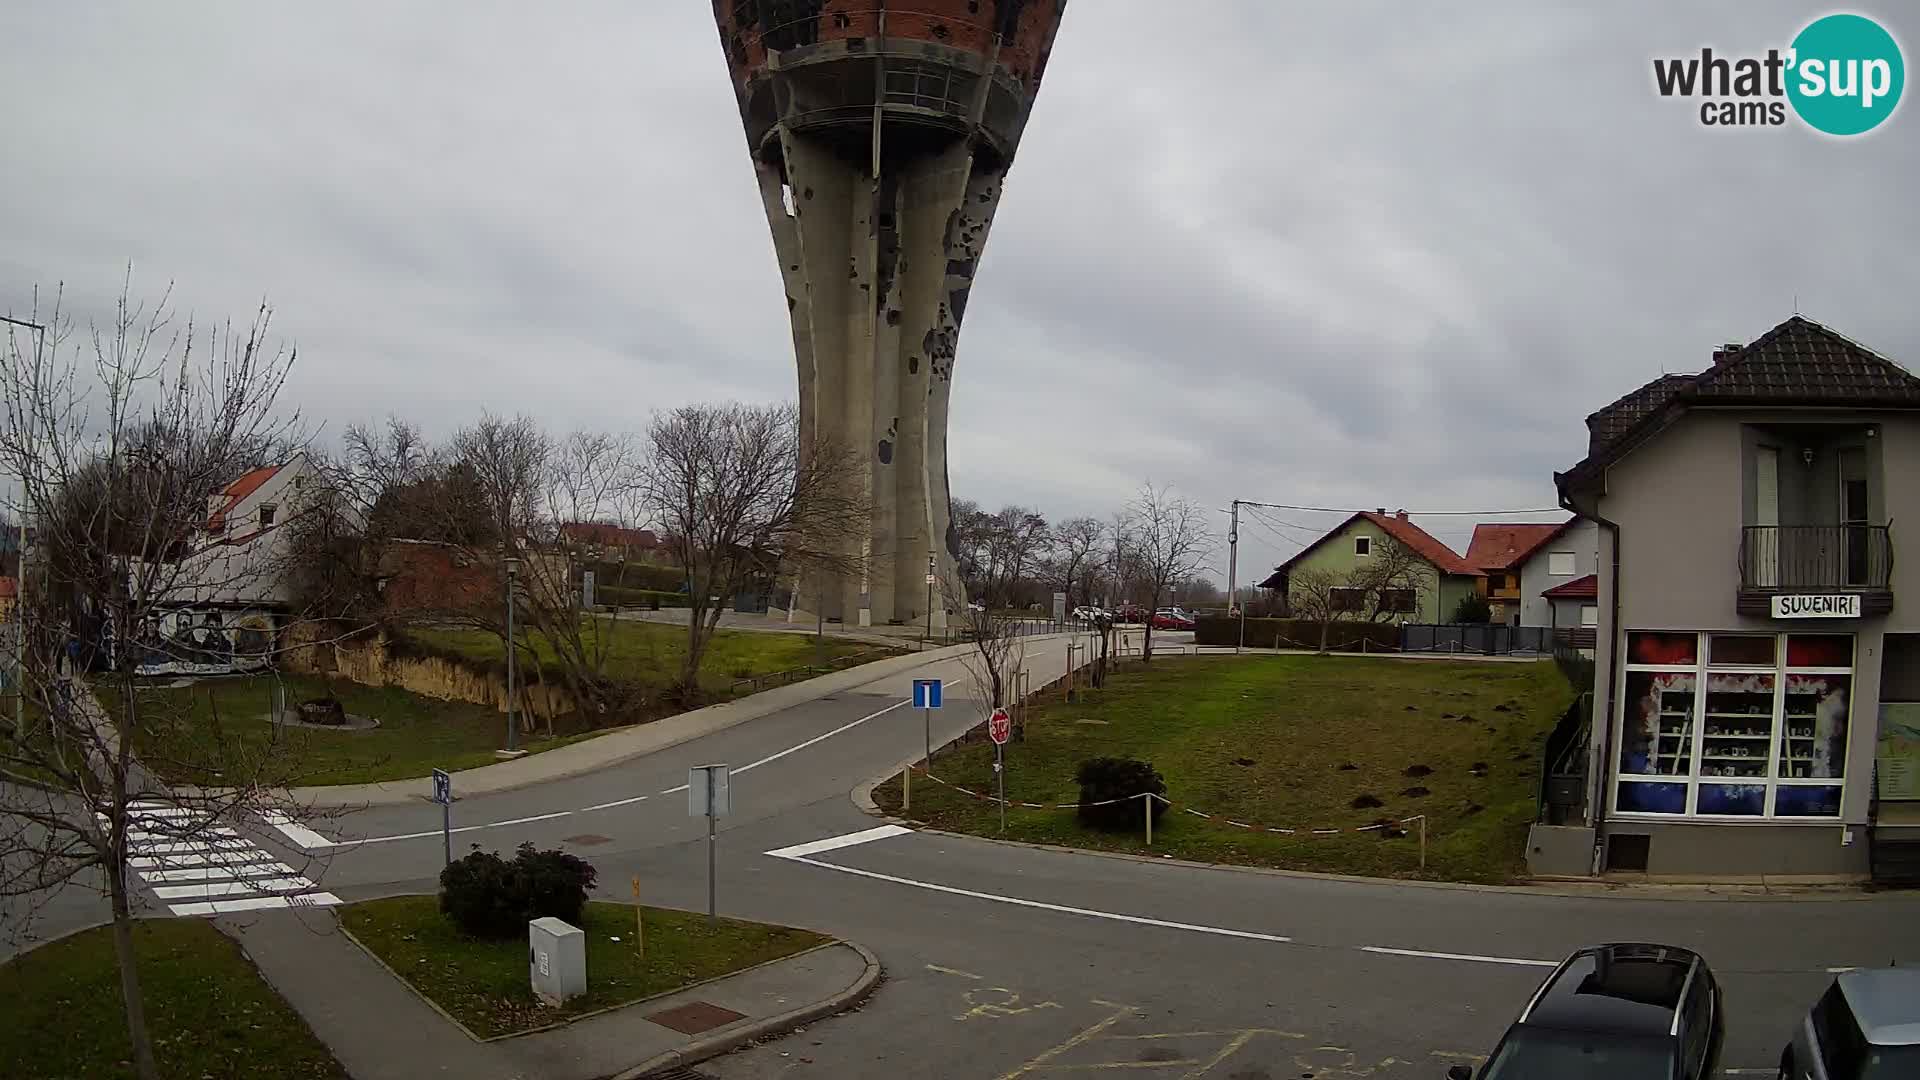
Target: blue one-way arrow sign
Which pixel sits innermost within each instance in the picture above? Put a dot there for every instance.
(926, 693)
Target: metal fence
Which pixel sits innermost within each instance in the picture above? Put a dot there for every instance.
(1482, 639)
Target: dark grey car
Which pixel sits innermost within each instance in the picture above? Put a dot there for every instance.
(1865, 1027)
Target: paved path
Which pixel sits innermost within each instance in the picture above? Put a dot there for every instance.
(381, 1030)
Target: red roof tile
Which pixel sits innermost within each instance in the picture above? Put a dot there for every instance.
(1503, 545)
(1585, 588)
(238, 490)
(1422, 542)
(8, 588)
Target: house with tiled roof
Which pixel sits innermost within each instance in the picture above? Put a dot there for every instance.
(1757, 644)
(1443, 578)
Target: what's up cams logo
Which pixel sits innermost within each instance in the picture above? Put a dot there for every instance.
(1842, 75)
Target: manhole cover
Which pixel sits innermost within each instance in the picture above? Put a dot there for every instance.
(695, 1017)
(586, 839)
(677, 1073)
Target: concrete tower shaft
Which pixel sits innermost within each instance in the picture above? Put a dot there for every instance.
(881, 133)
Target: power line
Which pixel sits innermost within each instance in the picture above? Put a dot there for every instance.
(1421, 513)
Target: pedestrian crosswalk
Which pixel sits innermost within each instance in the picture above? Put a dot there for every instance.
(200, 868)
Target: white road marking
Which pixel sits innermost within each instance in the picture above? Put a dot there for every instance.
(257, 903)
(199, 858)
(1840, 970)
(461, 829)
(167, 844)
(206, 890)
(834, 843)
(821, 738)
(1017, 901)
(1520, 961)
(770, 758)
(296, 832)
(194, 847)
(142, 836)
(219, 873)
(614, 803)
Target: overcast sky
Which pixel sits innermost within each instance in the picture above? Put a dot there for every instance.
(1333, 253)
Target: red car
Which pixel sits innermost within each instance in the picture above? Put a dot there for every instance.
(1167, 620)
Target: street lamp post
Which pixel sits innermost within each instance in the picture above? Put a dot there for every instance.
(20, 558)
(929, 596)
(513, 726)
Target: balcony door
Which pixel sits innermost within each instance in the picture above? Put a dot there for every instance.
(1853, 512)
(1766, 512)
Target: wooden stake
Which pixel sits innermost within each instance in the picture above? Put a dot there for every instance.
(1423, 841)
(640, 923)
(1146, 800)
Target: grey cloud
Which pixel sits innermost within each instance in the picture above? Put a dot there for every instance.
(1333, 253)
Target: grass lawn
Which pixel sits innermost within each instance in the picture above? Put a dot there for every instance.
(209, 1013)
(484, 983)
(1297, 742)
(222, 723)
(650, 654)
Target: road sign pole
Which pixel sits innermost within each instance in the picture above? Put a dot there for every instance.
(446, 830)
(1000, 770)
(712, 911)
(906, 787)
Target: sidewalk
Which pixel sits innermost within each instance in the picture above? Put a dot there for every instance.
(379, 1029)
(624, 744)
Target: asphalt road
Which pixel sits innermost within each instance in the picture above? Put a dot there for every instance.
(1010, 961)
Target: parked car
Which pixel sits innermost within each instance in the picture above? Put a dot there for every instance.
(1171, 620)
(1615, 1012)
(1089, 614)
(1865, 1027)
(1129, 613)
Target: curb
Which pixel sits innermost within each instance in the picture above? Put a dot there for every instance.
(862, 798)
(658, 735)
(715, 1045)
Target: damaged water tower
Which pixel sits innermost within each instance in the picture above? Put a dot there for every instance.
(882, 134)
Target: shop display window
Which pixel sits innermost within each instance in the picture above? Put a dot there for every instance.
(1734, 725)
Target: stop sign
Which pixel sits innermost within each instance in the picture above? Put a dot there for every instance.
(999, 727)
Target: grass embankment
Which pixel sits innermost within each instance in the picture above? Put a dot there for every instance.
(484, 983)
(218, 730)
(1288, 742)
(209, 1013)
(648, 655)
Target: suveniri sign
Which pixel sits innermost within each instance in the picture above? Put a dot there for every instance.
(1841, 606)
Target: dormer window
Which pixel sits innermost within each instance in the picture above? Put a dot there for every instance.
(266, 515)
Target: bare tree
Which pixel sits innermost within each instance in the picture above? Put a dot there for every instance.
(1392, 580)
(120, 436)
(1323, 596)
(742, 500)
(1076, 548)
(1167, 537)
(999, 650)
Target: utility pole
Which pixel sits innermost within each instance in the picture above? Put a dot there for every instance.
(1233, 566)
(20, 556)
(513, 727)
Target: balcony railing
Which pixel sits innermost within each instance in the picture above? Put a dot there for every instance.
(1793, 558)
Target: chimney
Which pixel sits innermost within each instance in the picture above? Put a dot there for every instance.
(1381, 510)
(1725, 353)
(1401, 514)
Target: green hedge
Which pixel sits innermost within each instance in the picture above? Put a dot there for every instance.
(1345, 634)
(618, 597)
(641, 576)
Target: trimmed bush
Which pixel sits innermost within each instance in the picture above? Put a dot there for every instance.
(489, 897)
(1105, 778)
(1473, 608)
(1345, 634)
